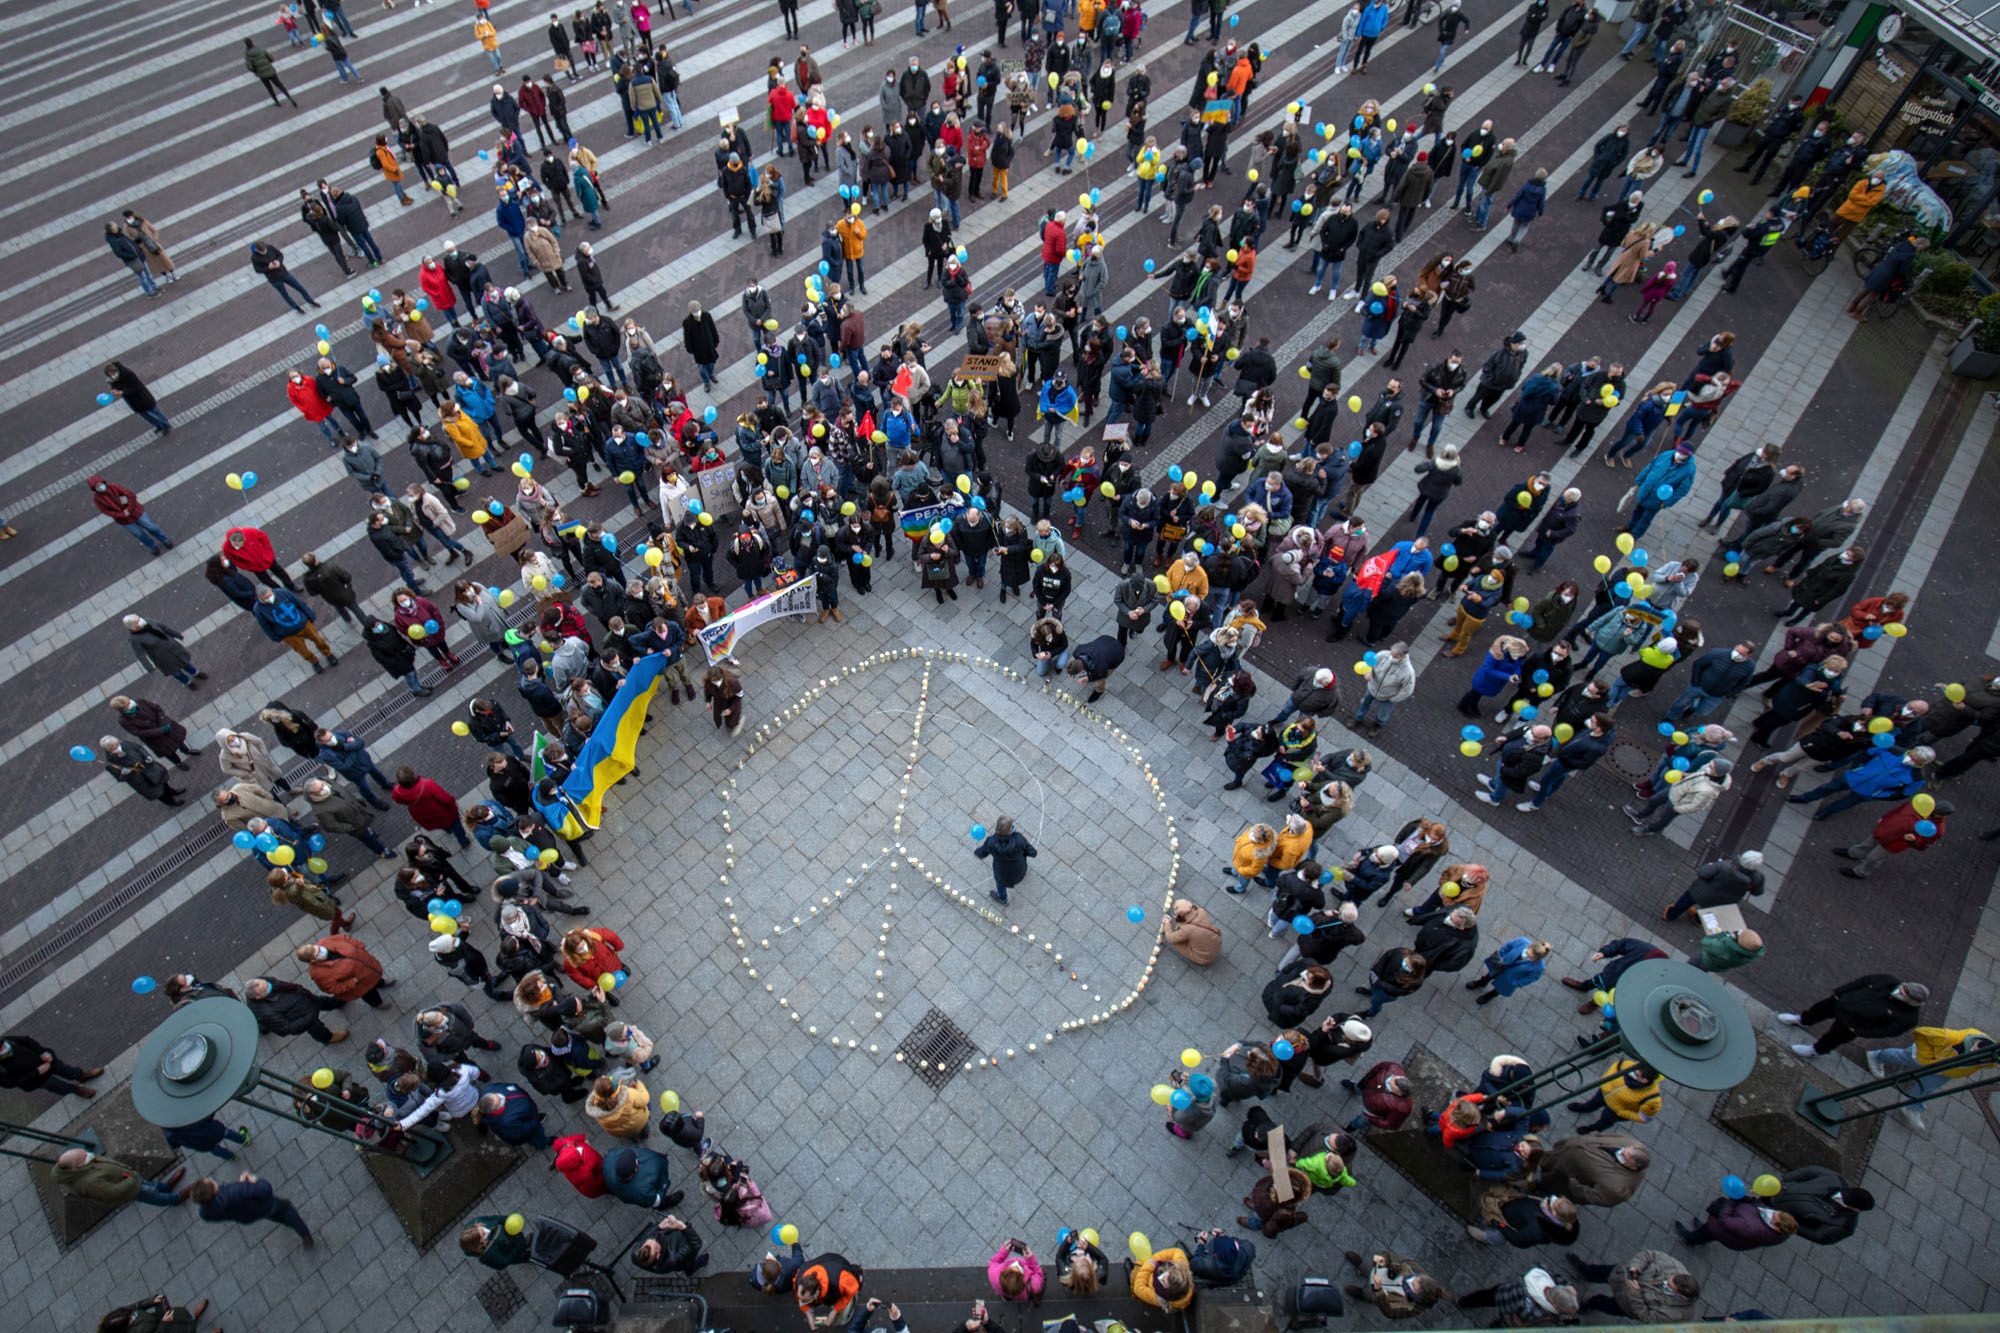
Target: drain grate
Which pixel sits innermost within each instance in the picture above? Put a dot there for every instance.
(500, 1298)
(664, 1287)
(1629, 761)
(936, 1050)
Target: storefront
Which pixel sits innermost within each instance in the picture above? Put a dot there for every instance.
(1925, 79)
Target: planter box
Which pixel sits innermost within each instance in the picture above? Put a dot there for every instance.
(1969, 361)
(1729, 134)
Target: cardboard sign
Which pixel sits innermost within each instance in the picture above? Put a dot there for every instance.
(980, 368)
(1724, 920)
(509, 537)
(718, 489)
(1281, 1169)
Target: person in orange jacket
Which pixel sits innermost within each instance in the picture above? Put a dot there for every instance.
(826, 1287)
(342, 967)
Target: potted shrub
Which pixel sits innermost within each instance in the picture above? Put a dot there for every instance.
(1746, 113)
(1976, 354)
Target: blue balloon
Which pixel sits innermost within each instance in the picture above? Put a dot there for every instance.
(557, 580)
(981, 82)
(1610, 1011)
(1283, 1049)
(1467, 155)
(83, 754)
(774, 1233)
(1885, 740)
(1639, 557)
(1375, 307)
(1175, 472)
(1528, 714)
(453, 907)
(143, 985)
(944, 525)
(1733, 1187)
(243, 840)
(762, 371)
(374, 293)
(694, 506)
(1135, 914)
(495, 508)
(1298, 204)
(1872, 632)
(1447, 549)
(979, 502)
(1148, 266)
(526, 459)
(430, 627)
(1354, 448)
(435, 907)
(1319, 128)
(1734, 555)
(1121, 331)
(1666, 728)
(249, 480)
(619, 978)
(979, 833)
(708, 416)
(1095, 196)
(569, 395)
(1361, 122)
(1471, 733)
(1181, 1099)
(832, 359)
(1621, 590)
(824, 268)
(858, 557)
(104, 400)
(1926, 829)
(322, 331)
(267, 842)
(1541, 677)
(1302, 924)
(1371, 657)
(1665, 492)
(1682, 763)
(316, 842)
(610, 542)
(805, 515)
(1680, 230)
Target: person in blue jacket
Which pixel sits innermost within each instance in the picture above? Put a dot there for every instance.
(1538, 394)
(1661, 484)
(245, 1201)
(1058, 403)
(1374, 19)
(507, 1112)
(1882, 776)
(1639, 426)
(1525, 207)
(476, 401)
(287, 618)
(638, 1176)
(1515, 964)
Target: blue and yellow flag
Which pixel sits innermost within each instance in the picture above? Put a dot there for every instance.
(612, 749)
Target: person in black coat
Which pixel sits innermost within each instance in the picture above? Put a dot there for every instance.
(1450, 942)
(1095, 661)
(1250, 746)
(1827, 1208)
(1009, 852)
(1877, 1005)
(671, 1247)
(1719, 883)
(285, 1010)
(1294, 995)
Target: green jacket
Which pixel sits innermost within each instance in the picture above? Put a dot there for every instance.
(1314, 1168)
(1720, 953)
(258, 61)
(502, 1250)
(101, 1180)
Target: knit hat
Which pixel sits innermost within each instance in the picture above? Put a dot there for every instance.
(625, 1165)
(443, 943)
(1356, 1030)
(1721, 768)
(1750, 860)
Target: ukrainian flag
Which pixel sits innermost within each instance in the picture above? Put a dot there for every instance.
(613, 746)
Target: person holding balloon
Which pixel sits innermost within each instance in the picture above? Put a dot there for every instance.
(1740, 1223)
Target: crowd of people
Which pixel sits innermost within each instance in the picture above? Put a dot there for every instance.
(884, 454)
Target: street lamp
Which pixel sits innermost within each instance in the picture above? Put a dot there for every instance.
(1675, 1019)
(204, 1056)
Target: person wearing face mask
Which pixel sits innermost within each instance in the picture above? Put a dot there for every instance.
(1823, 583)
(312, 405)
(123, 508)
(1440, 386)
(1716, 677)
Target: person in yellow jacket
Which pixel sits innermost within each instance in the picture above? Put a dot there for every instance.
(1860, 202)
(1087, 12)
(1254, 847)
(619, 1108)
(464, 432)
(392, 170)
(1628, 1091)
(853, 234)
(1290, 848)
(1931, 1046)
(489, 42)
(1187, 575)
(1165, 1280)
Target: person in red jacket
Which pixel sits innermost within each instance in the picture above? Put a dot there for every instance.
(581, 1165)
(122, 507)
(431, 806)
(1055, 244)
(305, 396)
(250, 550)
(1903, 829)
(342, 967)
(437, 286)
(826, 1286)
(535, 104)
(1385, 1097)
(590, 953)
(783, 107)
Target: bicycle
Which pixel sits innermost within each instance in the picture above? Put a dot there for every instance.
(1890, 302)
(1818, 246)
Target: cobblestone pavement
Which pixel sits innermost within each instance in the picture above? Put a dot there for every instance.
(149, 108)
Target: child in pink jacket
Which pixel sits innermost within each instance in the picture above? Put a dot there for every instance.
(1654, 292)
(1015, 1273)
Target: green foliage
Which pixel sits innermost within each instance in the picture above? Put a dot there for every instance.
(1752, 105)
(1986, 337)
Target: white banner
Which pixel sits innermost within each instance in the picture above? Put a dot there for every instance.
(719, 640)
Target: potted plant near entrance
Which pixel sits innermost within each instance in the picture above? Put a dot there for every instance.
(1976, 354)
(1746, 113)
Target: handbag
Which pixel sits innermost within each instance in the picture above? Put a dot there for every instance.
(562, 64)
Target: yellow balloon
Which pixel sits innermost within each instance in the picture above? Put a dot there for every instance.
(515, 1224)
(234, 481)
(1924, 803)
(1625, 542)
(1305, 210)
(1035, 556)
(1055, 80)
(324, 347)
(441, 923)
(1362, 668)
(655, 557)
(1766, 1185)
(1520, 603)
(1673, 775)
(670, 1101)
(540, 583)
(1731, 570)
(1177, 611)
(1389, 125)
(1191, 1057)
(1354, 402)
(322, 1079)
(1229, 256)
(1162, 1094)
(462, 484)
(964, 484)
(281, 855)
(415, 631)
(506, 597)
(1544, 690)
(1083, 201)
(1955, 692)
(1470, 749)
(606, 982)
(1189, 481)
(784, 492)
(1305, 373)
(1160, 583)
(482, 518)
(937, 538)
(1602, 564)
(521, 471)
(1142, 1249)
(1451, 888)
(707, 519)
(460, 729)
(1108, 491)
(1253, 175)
(1564, 731)
(627, 477)
(1895, 629)
(1380, 289)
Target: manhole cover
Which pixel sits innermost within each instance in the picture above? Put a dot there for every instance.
(936, 1050)
(1630, 762)
(664, 1286)
(500, 1298)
